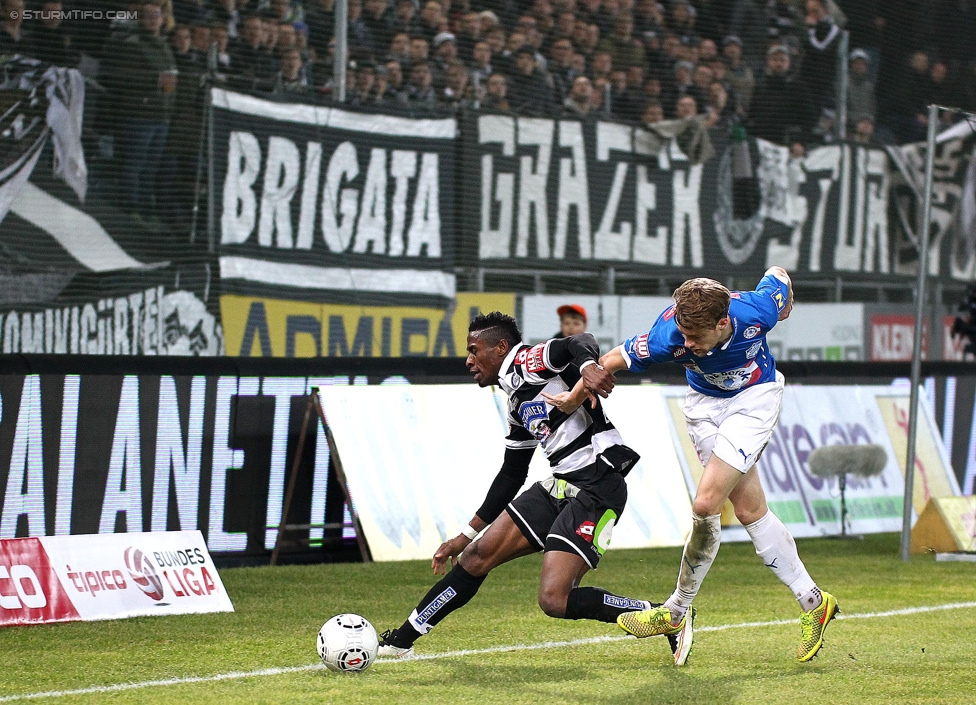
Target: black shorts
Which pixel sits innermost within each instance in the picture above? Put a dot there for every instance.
(581, 524)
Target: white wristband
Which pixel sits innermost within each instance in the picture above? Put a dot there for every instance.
(470, 532)
(586, 364)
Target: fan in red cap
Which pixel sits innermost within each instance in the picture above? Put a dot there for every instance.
(572, 320)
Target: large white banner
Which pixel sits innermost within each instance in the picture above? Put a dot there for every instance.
(107, 576)
(419, 460)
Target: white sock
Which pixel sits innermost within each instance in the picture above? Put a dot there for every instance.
(775, 545)
(811, 600)
(700, 550)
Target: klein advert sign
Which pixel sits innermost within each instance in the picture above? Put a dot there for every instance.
(89, 578)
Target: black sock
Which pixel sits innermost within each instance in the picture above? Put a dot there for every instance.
(451, 592)
(596, 603)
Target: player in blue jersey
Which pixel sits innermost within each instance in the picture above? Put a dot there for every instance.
(731, 410)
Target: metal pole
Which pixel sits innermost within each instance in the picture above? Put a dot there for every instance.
(341, 58)
(211, 177)
(204, 133)
(923, 237)
(842, 83)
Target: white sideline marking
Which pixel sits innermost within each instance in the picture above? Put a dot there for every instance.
(235, 675)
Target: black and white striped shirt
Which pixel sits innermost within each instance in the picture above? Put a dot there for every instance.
(571, 442)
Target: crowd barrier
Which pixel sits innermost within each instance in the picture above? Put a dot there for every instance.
(102, 445)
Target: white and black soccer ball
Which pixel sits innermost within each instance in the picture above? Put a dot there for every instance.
(347, 643)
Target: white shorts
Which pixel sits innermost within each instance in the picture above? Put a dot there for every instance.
(736, 429)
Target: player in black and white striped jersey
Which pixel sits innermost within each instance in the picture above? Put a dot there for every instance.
(570, 515)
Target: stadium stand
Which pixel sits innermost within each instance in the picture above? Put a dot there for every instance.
(636, 54)
(705, 74)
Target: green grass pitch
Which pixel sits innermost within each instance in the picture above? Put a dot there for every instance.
(906, 657)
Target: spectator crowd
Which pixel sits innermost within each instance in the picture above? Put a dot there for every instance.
(767, 66)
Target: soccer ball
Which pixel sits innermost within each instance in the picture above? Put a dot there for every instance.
(347, 643)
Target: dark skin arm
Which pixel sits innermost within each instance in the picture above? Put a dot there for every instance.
(582, 349)
(452, 548)
(570, 401)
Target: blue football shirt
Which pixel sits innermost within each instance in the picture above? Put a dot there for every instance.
(742, 361)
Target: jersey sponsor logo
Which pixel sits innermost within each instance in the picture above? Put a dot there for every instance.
(735, 294)
(640, 346)
(533, 359)
(730, 380)
(751, 332)
(754, 350)
(679, 352)
(520, 358)
(586, 530)
(535, 418)
(669, 314)
(778, 299)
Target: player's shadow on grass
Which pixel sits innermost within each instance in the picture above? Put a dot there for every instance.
(672, 686)
(654, 683)
(521, 675)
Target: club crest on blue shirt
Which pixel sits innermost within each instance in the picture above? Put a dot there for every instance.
(640, 346)
(750, 332)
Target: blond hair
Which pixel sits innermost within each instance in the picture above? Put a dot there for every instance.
(699, 304)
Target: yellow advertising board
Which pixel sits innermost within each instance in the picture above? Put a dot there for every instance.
(947, 525)
(263, 327)
(931, 477)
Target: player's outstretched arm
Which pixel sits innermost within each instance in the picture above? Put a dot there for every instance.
(568, 402)
(614, 360)
(583, 351)
(784, 277)
(452, 548)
